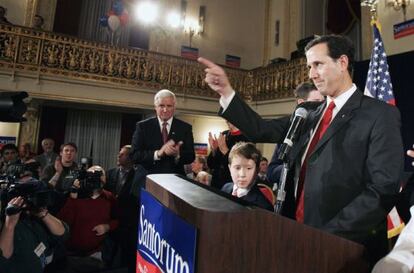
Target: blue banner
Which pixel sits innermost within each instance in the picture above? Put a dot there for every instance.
(166, 243)
(7, 140)
(404, 29)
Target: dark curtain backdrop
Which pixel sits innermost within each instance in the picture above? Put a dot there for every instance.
(67, 17)
(341, 15)
(52, 125)
(128, 127)
(81, 19)
(400, 67)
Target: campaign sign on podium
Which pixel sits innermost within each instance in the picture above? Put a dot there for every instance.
(166, 243)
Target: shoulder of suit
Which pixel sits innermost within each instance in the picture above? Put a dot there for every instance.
(374, 103)
(181, 122)
(227, 186)
(147, 121)
(139, 168)
(112, 170)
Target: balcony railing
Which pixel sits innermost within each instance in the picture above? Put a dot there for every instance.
(50, 54)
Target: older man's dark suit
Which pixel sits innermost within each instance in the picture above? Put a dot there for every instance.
(353, 174)
(147, 139)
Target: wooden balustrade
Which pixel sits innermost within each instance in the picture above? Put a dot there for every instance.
(51, 54)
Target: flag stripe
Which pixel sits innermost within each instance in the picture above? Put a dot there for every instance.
(379, 86)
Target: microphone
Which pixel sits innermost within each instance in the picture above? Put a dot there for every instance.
(300, 116)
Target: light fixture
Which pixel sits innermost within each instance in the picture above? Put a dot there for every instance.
(399, 5)
(372, 5)
(191, 27)
(147, 12)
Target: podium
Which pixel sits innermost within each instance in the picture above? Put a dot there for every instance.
(233, 236)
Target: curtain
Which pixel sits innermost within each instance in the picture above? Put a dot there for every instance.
(90, 29)
(97, 135)
(342, 15)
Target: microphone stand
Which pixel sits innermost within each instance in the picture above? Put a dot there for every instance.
(281, 193)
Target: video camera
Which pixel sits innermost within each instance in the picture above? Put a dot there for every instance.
(35, 195)
(19, 170)
(89, 181)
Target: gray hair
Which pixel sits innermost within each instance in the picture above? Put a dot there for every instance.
(127, 147)
(48, 139)
(164, 93)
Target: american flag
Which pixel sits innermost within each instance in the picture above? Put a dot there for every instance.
(378, 83)
(379, 86)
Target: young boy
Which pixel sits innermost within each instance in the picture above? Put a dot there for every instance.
(244, 160)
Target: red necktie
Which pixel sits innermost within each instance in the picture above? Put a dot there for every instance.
(323, 125)
(164, 132)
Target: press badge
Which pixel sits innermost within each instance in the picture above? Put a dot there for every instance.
(40, 249)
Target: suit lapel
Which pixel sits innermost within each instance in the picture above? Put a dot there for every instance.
(173, 129)
(157, 131)
(341, 118)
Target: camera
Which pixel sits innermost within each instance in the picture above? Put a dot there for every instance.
(88, 180)
(35, 195)
(19, 170)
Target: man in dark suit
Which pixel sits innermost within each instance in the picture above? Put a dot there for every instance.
(125, 182)
(163, 144)
(348, 158)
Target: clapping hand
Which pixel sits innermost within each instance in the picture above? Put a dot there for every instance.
(222, 145)
(170, 148)
(212, 140)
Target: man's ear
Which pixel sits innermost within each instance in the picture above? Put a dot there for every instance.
(344, 61)
(299, 101)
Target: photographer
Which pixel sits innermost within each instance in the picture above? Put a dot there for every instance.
(28, 236)
(89, 219)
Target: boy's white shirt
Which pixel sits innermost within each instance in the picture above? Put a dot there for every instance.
(240, 192)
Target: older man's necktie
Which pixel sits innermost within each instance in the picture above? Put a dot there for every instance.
(164, 132)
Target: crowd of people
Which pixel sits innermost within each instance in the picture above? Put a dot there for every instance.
(92, 224)
(65, 217)
(94, 212)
